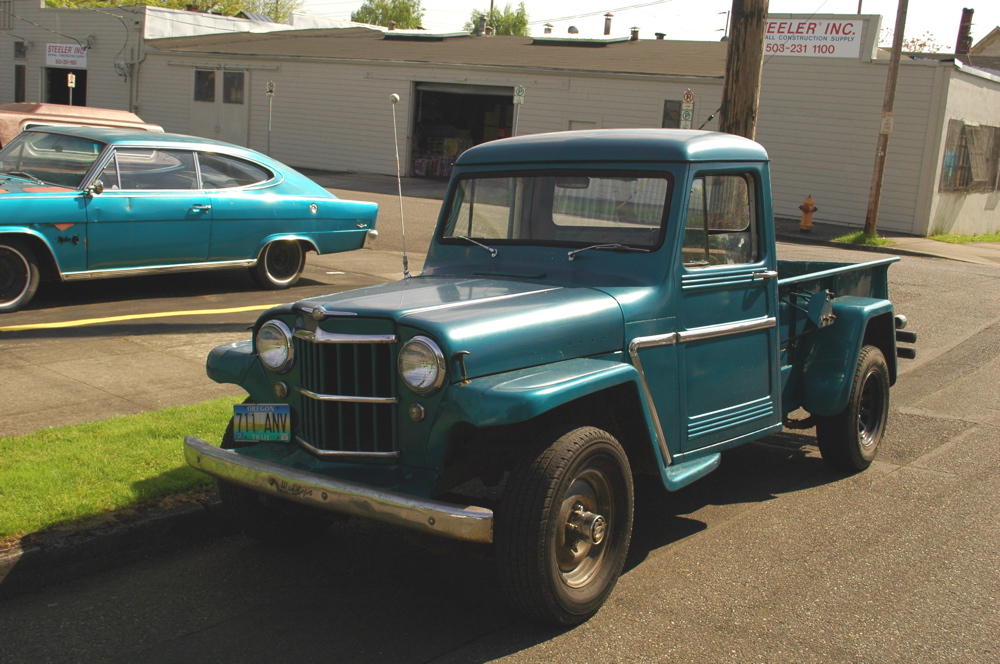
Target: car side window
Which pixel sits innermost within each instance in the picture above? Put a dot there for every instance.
(721, 227)
(222, 171)
(153, 168)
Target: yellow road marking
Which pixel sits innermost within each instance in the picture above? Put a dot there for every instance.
(117, 319)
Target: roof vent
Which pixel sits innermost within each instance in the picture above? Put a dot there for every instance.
(607, 23)
(573, 30)
(660, 35)
(635, 34)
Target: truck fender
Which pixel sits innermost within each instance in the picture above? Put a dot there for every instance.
(236, 363)
(519, 396)
(830, 354)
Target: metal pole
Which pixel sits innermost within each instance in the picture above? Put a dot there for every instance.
(871, 218)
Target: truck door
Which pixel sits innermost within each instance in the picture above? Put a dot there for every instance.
(726, 325)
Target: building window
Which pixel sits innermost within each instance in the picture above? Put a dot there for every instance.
(20, 50)
(6, 16)
(204, 85)
(671, 114)
(20, 83)
(971, 158)
(232, 87)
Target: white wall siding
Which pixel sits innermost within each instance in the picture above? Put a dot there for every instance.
(819, 120)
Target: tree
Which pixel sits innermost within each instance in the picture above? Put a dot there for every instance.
(406, 13)
(279, 10)
(926, 43)
(506, 22)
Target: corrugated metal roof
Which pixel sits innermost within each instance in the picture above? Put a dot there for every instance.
(643, 56)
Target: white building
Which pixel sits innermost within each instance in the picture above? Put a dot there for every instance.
(820, 113)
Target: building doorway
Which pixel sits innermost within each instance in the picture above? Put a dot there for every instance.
(58, 90)
(450, 119)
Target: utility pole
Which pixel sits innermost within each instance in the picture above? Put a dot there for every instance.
(888, 118)
(744, 64)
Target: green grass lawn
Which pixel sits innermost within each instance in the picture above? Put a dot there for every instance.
(952, 238)
(860, 238)
(81, 475)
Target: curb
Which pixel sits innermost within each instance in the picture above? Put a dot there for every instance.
(60, 556)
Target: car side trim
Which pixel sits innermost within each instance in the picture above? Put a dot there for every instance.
(156, 269)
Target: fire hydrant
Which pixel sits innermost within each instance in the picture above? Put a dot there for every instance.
(808, 207)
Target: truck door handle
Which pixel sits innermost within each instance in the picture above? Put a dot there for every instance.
(201, 208)
(766, 275)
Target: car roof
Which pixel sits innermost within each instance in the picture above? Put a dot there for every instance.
(133, 137)
(615, 145)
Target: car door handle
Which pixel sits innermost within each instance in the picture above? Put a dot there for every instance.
(766, 275)
(201, 208)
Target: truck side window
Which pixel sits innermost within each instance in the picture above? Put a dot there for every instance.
(721, 227)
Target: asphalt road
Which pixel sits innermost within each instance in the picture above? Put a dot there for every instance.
(772, 558)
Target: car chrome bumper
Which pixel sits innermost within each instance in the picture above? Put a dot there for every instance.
(472, 524)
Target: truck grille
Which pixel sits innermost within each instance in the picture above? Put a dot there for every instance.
(347, 384)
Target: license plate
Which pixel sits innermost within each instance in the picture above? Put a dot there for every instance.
(271, 422)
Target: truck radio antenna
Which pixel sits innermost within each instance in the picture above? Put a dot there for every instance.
(399, 184)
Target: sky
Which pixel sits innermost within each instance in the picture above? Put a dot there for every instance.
(703, 20)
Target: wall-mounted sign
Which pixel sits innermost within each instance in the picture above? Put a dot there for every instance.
(814, 38)
(66, 55)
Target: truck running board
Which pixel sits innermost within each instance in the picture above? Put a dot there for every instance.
(681, 474)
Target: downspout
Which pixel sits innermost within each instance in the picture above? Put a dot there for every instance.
(135, 65)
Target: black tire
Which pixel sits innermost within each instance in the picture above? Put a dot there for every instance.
(850, 440)
(563, 527)
(19, 275)
(264, 517)
(280, 265)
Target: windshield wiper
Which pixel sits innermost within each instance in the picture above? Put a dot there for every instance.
(607, 247)
(493, 252)
(27, 176)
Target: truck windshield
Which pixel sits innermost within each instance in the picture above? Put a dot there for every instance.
(52, 158)
(571, 209)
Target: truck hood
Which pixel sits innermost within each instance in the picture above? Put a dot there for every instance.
(502, 324)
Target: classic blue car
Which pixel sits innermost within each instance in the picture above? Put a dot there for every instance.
(88, 202)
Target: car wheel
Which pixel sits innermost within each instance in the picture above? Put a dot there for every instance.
(849, 441)
(563, 527)
(264, 517)
(280, 265)
(19, 276)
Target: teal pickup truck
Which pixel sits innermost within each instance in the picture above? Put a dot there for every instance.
(595, 305)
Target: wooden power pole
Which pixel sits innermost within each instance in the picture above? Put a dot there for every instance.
(888, 117)
(744, 64)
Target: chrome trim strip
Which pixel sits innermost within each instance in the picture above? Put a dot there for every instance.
(713, 331)
(344, 399)
(634, 347)
(483, 300)
(323, 337)
(345, 453)
(159, 269)
(467, 523)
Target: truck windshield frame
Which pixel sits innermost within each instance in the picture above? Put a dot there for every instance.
(560, 208)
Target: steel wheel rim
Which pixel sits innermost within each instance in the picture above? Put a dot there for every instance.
(871, 411)
(13, 275)
(578, 559)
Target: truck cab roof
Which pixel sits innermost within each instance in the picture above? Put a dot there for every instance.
(615, 145)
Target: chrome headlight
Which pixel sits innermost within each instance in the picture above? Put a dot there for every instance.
(421, 365)
(274, 346)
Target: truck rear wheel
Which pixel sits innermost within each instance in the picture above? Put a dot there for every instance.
(563, 527)
(264, 517)
(850, 440)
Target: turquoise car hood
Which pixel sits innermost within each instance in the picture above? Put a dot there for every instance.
(17, 185)
(502, 324)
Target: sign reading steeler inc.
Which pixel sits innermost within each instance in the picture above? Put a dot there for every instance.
(817, 38)
(66, 55)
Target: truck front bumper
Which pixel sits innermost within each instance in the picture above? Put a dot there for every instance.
(469, 523)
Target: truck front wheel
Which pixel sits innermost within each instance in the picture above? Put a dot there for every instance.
(563, 527)
(850, 440)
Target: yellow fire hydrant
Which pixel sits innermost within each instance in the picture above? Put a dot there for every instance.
(808, 207)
